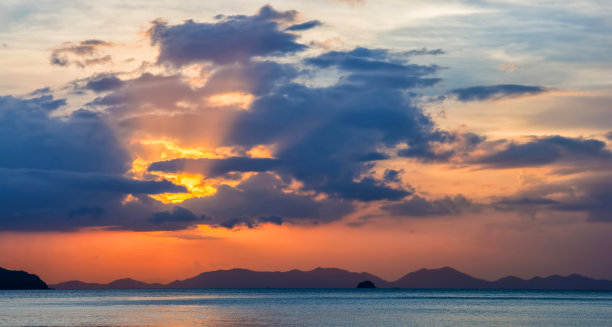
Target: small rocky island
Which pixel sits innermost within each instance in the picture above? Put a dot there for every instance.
(20, 280)
(366, 284)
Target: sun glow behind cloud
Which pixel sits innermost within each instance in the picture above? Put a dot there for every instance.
(198, 185)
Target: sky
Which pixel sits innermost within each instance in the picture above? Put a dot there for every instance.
(160, 139)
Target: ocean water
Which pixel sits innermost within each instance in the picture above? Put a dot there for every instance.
(300, 307)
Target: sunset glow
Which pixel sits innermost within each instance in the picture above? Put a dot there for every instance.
(157, 141)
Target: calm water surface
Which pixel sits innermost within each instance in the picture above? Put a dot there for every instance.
(298, 307)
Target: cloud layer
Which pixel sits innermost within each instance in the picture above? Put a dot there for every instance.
(239, 122)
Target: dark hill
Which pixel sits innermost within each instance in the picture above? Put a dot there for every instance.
(20, 280)
(439, 278)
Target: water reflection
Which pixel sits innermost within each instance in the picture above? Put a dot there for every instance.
(304, 308)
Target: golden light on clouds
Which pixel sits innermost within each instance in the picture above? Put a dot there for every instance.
(238, 99)
(261, 151)
(175, 151)
(196, 184)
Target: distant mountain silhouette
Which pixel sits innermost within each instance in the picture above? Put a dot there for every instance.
(439, 278)
(554, 282)
(445, 277)
(243, 278)
(119, 284)
(20, 280)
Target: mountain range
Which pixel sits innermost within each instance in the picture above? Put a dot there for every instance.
(445, 277)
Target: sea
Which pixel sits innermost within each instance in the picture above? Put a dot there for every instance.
(304, 307)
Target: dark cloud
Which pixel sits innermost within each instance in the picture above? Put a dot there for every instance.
(60, 200)
(232, 39)
(488, 92)
(67, 172)
(392, 175)
(609, 135)
(376, 68)
(323, 135)
(590, 194)
(327, 137)
(595, 199)
(177, 218)
(215, 167)
(304, 26)
(31, 139)
(261, 198)
(84, 53)
(424, 51)
(41, 91)
(421, 207)
(372, 156)
(251, 222)
(547, 150)
(448, 145)
(523, 203)
(103, 83)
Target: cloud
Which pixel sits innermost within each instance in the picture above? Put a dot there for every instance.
(31, 139)
(251, 222)
(215, 167)
(103, 83)
(63, 173)
(304, 26)
(447, 146)
(60, 200)
(595, 199)
(261, 198)
(322, 135)
(423, 52)
(494, 92)
(82, 54)
(146, 93)
(545, 151)
(421, 207)
(329, 141)
(328, 138)
(376, 68)
(590, 194)
(523, 203)
(177, 218)
(253, 77)
(231, 39)
(392, 175)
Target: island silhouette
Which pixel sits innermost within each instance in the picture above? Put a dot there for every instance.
(20, 280)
